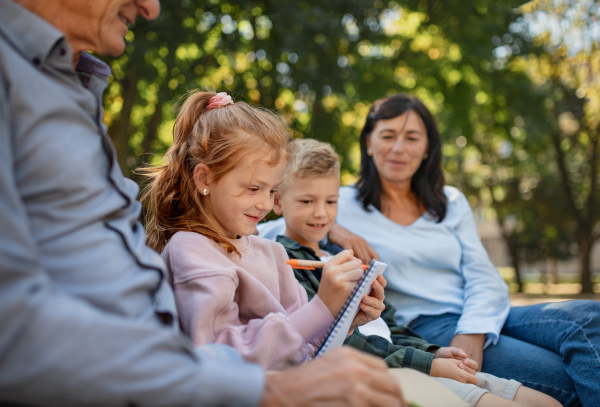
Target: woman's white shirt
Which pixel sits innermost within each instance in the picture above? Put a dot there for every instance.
(434, 268)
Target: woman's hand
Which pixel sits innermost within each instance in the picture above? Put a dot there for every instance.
(449, 368)
(339, 277)
(472, 344)
(371, 305)
(348, 240)
(467, 364)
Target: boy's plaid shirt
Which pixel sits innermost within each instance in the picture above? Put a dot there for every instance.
(407, 350)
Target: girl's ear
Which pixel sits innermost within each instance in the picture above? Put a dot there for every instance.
(201, 176)
(277, 209)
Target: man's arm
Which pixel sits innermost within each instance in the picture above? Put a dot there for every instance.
(56, 349)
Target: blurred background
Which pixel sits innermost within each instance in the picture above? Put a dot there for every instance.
(515, 87)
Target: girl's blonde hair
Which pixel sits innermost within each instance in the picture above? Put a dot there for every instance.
(219, 138)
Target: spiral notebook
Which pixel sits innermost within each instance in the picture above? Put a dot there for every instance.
(337, 333)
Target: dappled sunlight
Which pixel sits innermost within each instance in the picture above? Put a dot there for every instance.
(515, 92)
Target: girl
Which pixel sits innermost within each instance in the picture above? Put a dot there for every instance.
(218, 181)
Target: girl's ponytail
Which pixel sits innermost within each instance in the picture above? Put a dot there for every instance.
(171, 191)
(218, 137)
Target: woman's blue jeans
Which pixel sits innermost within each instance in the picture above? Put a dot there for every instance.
(553, 348)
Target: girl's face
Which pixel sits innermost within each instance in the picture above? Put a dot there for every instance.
(398, 147)
(243, 196)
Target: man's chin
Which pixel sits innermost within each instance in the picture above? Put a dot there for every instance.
(114, 51)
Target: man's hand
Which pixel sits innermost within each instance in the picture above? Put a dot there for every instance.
(472, 345)
(342, 377)
(371, 305)
(348, 240)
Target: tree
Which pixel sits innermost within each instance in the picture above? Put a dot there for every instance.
(564, 71)
(476, 65)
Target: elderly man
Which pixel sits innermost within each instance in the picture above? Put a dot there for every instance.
(87, 317)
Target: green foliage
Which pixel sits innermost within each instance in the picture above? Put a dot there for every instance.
(517, 110)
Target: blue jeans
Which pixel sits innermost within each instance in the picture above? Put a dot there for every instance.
(553, 348)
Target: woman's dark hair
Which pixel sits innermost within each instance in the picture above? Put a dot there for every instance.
(428, 181)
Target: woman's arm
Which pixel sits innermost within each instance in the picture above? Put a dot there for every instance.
(472, 344)
(486, 301)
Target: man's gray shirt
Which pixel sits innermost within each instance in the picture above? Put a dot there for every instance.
(87, 317)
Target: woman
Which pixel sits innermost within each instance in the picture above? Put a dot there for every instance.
(440, 278)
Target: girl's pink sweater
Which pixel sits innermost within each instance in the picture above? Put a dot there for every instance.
(252, 303)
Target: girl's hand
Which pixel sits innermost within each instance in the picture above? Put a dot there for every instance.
(467, 364)
(449, 368)
(371, 305)
(339, 277)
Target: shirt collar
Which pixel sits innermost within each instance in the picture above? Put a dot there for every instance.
(39, 41)
(291, 244)
(288, 243)
(90, 65)
(31, 35)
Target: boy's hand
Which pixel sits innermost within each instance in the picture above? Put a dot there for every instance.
(449, 368)
(456, 353)
(371, 305)
(339, 277)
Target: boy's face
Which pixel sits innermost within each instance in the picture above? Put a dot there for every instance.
(309, 206)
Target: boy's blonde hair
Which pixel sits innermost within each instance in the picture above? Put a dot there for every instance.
(219, 138)
(309, 157)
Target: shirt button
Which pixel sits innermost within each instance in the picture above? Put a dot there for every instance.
(36, 61)
(62, 52)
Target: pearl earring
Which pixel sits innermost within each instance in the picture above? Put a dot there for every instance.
(369, 152)
(205, 192)
(425, 156)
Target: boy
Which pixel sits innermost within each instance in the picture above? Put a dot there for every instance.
(307, 199)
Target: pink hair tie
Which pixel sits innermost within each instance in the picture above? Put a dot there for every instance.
(219, 100)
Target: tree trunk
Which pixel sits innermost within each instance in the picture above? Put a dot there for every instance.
(553, 270)
(152, 133)
(121, 131)
(514, 259)
(585, 264)
(512, 245)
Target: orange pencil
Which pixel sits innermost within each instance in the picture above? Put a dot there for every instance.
(311, 264)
